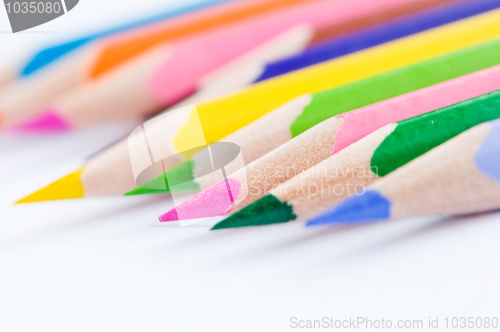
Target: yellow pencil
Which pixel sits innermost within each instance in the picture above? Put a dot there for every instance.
(110, 173)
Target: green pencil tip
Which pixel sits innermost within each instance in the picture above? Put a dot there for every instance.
(181, 174)
(145, 191)
(266, 211)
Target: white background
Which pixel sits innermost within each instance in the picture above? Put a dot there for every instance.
(109, 265)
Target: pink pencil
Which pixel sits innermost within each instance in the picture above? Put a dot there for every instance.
(310, 148)
(359, 123)
(172, 71)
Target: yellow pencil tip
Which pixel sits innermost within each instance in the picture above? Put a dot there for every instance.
(67, 187)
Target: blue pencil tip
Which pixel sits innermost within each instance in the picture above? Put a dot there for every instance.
(359, 209)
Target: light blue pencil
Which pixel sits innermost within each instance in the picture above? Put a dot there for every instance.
(50, 54)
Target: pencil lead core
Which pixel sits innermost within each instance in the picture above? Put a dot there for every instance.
(46, 122)
(266, 211)
(358, 209)
(68, 187)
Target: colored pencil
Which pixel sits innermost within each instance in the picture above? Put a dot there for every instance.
(171, 71)
(279, 126)
(251, 182)
(381, 33)
(258, 66)
(48, 55)
(242, 71)
(305, 150)
(358, 15)
(366, 160)
(166, 75)
(461, 176)
(8, 72)
(85, 65)
(109, 173)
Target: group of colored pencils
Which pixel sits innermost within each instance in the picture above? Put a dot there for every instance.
(339, 112)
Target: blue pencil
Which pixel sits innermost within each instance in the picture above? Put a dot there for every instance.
(379, 34)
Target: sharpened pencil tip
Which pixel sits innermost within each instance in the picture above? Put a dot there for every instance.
(358, 209)
(211, 202)
(169, 216)
(68, 187)
(147, 191)
(182, 174)
(47, 122)
(266, 211)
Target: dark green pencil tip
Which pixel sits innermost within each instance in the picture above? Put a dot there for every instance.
(266, 211)
(181, 175)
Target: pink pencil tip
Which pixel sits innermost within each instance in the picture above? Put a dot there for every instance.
(48, 121)
(169, 216)
(211, 202)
